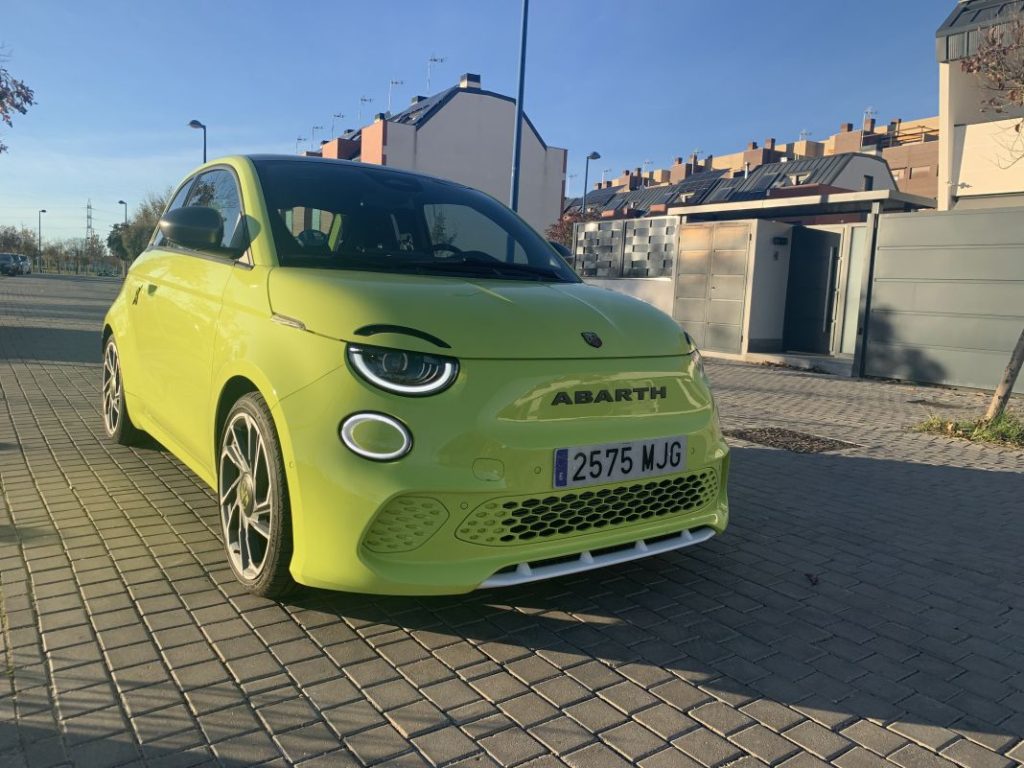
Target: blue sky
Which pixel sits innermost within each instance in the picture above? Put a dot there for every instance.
(117, 82)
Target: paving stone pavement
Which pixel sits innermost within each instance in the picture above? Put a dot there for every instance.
(866, 607)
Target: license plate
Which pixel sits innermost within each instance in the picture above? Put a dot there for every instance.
(610, 462)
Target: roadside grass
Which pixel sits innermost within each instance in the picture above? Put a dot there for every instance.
(1008, 429)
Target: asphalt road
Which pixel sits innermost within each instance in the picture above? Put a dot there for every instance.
(865, 607)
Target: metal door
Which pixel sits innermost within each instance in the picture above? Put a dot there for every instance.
(811, 291)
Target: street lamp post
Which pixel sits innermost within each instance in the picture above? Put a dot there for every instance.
(197, 124)
(39, 237)
(586, 174)
(122, 202)
(516, 136)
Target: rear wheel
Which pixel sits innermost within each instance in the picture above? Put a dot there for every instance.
(116, 422)
(254, 510)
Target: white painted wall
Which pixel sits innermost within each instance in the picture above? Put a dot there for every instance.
(470, 141)
(973, 142)
(766, 290)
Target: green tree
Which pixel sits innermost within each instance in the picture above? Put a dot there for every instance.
(127, 241)
(15, 96)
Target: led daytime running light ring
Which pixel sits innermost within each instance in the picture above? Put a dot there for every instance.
(448, 375)
(350, 423)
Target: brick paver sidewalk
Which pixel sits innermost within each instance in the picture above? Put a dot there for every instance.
(865, 607)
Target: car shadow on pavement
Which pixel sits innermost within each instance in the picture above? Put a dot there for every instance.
(52, 345)
(847, 587)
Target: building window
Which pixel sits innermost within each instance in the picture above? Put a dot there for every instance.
(918, 172)
(796, 179)
(899, 173)
(869, 183)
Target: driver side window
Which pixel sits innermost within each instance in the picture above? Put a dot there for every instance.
(217, 189)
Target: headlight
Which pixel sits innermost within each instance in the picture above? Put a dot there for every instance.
(405, 373)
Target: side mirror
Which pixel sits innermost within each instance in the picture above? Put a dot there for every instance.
(193, 227)
(564, 252)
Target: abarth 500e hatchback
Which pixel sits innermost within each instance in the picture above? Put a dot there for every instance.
(397, 386)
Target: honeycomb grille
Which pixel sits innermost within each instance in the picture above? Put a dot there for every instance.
(405, 524)
(521, 520)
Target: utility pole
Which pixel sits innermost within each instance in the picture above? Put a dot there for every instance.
(88, 220)
(431, 62)
(517, 135)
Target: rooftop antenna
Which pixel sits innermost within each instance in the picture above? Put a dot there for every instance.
(312, 135)
(391, 86)
(334, 118)
(363, 100)
(298, 140)
(805, 134)
(430, 63)
(869, 113)
(603, 172)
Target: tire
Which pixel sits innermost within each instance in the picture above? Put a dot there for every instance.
(117, 424)
(253, 500)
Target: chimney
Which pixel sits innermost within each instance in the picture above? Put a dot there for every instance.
(869, 125)
(417, 100)
(639, 171)
(708, 162)
(469, 81)
(693, 159)
(378, 117)
(678, 161)
(608, 184)
(845, 127)
(769, 144)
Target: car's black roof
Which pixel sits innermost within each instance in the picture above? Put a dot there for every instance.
(261, 159)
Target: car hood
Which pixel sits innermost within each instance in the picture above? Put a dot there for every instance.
(475, 318)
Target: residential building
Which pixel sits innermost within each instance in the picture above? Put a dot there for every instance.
(980, 149)
(464, 133)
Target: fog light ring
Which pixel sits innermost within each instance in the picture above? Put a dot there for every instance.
(348, 426)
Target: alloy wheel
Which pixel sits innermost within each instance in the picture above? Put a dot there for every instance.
(111, 389)
(246, 496)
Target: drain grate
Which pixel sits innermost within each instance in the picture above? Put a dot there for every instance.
(788, 439)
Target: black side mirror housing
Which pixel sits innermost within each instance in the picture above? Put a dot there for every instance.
(193, 227)
(564, 252)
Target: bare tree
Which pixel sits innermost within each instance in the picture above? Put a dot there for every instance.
(15, 96)
(999, 66)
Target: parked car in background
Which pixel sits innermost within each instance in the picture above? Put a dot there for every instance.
(397, 386)
(26, 265)
(10, 264)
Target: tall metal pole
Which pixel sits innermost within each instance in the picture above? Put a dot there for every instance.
(39, 235)
(586, 173)
(517, 139)
(204, 143)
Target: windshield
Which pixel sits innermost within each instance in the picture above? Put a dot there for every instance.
(335, 215)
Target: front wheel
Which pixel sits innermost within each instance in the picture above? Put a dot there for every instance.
(254, 510)
(116, 422)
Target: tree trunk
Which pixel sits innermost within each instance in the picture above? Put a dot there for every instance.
(1002, 394)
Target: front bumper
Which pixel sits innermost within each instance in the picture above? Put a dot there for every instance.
(433, 521)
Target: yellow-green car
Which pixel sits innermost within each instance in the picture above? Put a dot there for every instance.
(397, 386)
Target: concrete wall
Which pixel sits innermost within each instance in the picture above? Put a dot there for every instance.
(947, 300)
(470, 141)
